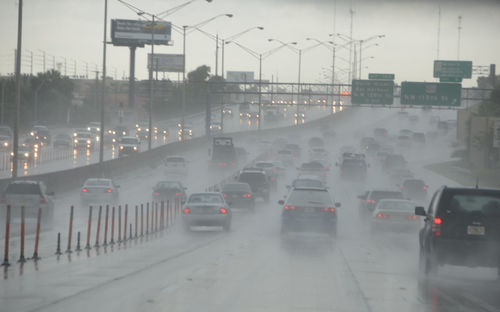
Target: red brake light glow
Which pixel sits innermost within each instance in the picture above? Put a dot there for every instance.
(438, 221)
(177, 194)
(289, 207)
(84, 190)
(156, 194)
(186, 210)
(223, 210)
(109, 190)
(425, 187)
(225, 195)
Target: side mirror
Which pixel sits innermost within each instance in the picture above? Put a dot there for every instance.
(420, 211)
(281, 202)
(337, 205)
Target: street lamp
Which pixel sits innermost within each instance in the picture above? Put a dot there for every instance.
(260, 57)
(296, 50)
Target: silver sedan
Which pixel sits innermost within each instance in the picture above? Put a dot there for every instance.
(206, 209)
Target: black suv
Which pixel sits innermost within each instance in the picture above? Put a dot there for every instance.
(462, 227)
(258, 181)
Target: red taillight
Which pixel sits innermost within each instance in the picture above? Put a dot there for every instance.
(382, 216)
(156, 194)
(436, 226)
(177, 194)
(412, 217)
(42, 199)
(379, 215)
(249, 195)
(289, 207)
(186, 210)
(223, 210)
(425, 188)
(109, 190)
(438, 221)
(402, 187)
(329, 209)
(274, 169)
(84, 190)
(273, 178)
(225, 195)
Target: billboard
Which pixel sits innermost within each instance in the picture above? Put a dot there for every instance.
(138, 33)
(239, 76)
(167, 62)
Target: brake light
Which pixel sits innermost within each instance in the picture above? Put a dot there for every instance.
(42, 199)
(425, 187)
(109, 190)
(412, 217)
(84, 190)
(329, 209)
(274, 169)
(402, 187)
(289, 207)
(225, 195)
(186, 210)
(273, 178)
(156, 194)
(438, 221)
(436, 226)
(249, 195)
(177, 194)
(223, 210)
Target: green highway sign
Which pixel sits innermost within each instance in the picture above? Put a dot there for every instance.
(450, 79)
(372, 92)
(431, 93)
(381, 76)
(458, 69)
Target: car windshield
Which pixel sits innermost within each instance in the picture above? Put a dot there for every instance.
(84, 135)
(396, 205)
(129, 141)
(353, 163)
(302, 197)
(96, 182)
(23, 189)
(207, 198)
(236, 187)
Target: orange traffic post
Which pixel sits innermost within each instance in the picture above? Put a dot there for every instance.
(168, 209)
(125, 223)
(58, 249)
(37, 237)
(136, 216)
(98, 228)
(112, 241)
(70, 230)
(105, 242)
(156, 217)
(152, 217)
(89, 227)
(7, 233)
(142, 220)
(147, 218)
(162, 216)
(119, 224)
(21, 256)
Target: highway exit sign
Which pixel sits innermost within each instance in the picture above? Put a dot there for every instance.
(372, 92)
(431, 93)
(381, 76)
(456, 69)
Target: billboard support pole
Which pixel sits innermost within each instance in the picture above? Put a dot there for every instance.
(131, 78)
(103, 93)
(260, 91)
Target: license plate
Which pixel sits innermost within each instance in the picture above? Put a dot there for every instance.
(475, 230)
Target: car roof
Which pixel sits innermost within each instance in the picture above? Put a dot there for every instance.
(24, 182)
(311, 188)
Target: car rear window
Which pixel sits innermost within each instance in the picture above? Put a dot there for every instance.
(23, 189)
(487, 204)
(264, 165)
(353, 163)
(397, 205)
(252, 177)
(205, 198)
(310, 198)
(236, 187)
(97, 183)
(312, 165)
(167, 185)
(284, 152)
(378, 195)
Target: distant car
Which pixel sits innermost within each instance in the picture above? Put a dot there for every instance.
(354, 168)
(258, 181)
(128, 146)
(206, 209)
(99, 191)
(317, 153)
(41, 134)
(315, 168)
(316, 142)
(30, 194)
(370, 199)
(306, 181)
(142, 131)
(280, 167)
(62, 140)
(404, 141)
(294, 148)
(462, 227)
(227, 112)
(24, 153)
(184, 131)
(271, 171)
(309, 210)
(169, 191)
(394, 215)
(83, 140)
(4, 142)
(414, 189)
(380, 133)
(175, 165)
(393, 161)
(215, 128)
(406, 132)
(286, 157)
(117, 133)
(367, 140)
(94, 127)
(239, 195)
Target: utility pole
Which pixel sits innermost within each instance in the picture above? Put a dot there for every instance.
(438, 32)
(459, 34)
(2, 107)
(103, 91)
(350, 47)
(184, 28)
(15, 149)
(260, 92)
(151, 82)
(217, 55)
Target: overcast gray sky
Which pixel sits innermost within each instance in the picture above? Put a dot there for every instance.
(73, 29)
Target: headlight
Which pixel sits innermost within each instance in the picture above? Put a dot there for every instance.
(139, 129)
(12, 154)
(96, 138)
(88, 128)
(135, 148)
(114, 140)
(74, 134)
(121, 148)
(98, 129)
(124, 133)
(26, 154)
(88, 141)
(32, 133)
(6, 144)
(76, 141)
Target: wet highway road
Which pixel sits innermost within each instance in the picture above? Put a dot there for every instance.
(252, 268)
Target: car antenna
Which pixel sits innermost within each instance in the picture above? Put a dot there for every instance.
(477, 182)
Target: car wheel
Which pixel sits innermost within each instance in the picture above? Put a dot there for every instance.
(427, 263)
(226, 226)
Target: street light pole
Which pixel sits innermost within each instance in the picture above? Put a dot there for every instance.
(260, 92)
(103, 93)
(299, 88)
(18, 87)
(183, 78)
(151, 82)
